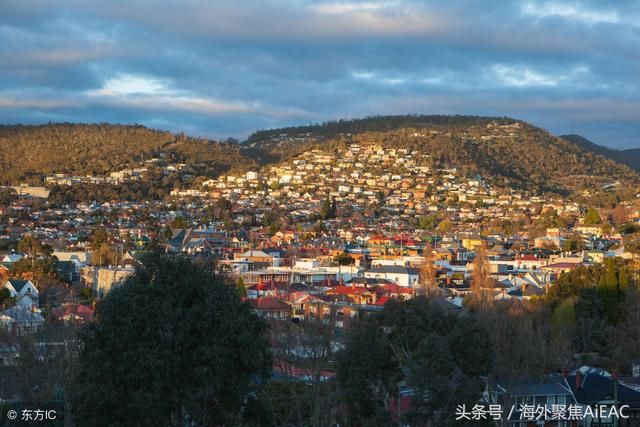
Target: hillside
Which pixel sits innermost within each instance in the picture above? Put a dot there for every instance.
(509, 152)
(81, 149)
(630, 157)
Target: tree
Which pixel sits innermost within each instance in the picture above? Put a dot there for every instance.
(481, 280)
(427, 270)
(444, 226)
(30, 246)
(438, 354)
(592, 217)
(329, 208)
(179, 222)
(344, 258)
(7, 196)
(98, 238)
(173, 345)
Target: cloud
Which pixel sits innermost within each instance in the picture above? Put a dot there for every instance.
(223, 67)
(571, 12)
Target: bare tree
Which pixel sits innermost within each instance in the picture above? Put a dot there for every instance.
(482, 283)
(427, 271)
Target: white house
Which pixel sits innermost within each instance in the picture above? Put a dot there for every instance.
(25, 292)
(403, 276)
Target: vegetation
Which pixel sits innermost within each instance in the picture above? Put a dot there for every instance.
(174, 343)
(94, 149)
(630, 157)
(527, 157)
(418, 345)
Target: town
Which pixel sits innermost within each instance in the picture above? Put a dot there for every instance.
(332, 237)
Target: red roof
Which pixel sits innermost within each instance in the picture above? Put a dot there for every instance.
(74, 312)
(392, 288)
(347, 290)
(269, 303)
(383, 300)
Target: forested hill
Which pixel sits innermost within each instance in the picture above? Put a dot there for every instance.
(510, 152)
(82, 149)
(630, 157)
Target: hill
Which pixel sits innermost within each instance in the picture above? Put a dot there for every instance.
(630, 157)
(512, 153)
(82, 149)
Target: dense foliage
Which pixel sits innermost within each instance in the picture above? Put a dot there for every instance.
(629, 157)
(173, 345)
(415, 344)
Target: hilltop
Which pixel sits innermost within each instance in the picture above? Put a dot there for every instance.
(28, 152)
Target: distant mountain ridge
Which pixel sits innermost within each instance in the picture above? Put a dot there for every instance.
(629, 157)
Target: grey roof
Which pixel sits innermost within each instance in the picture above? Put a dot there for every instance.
(18, 284)
(549, 386)
(597, 385)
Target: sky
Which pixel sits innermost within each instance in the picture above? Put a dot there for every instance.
(224, 68)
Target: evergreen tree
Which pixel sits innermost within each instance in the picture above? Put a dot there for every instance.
(174, 345)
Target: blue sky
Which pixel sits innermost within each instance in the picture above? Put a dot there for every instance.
(225, 68)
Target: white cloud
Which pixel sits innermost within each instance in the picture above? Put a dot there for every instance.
(571, 12)
(523, 76)
(519, 77)
(127, 84)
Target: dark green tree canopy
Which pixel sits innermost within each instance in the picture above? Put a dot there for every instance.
(420, 345)
(174, 344)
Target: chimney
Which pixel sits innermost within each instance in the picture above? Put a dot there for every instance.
(565, 372)
(578, 380)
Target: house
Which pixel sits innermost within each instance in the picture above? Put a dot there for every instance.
(259, 258)
(271, 308)
(554, 270)
(593, 387)
(358, 295)
(107, 277)
(9, 259)
(472, 242)
(74, 313)
(24, 292)
(546, 393)
(20, 320)
(403, 276)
